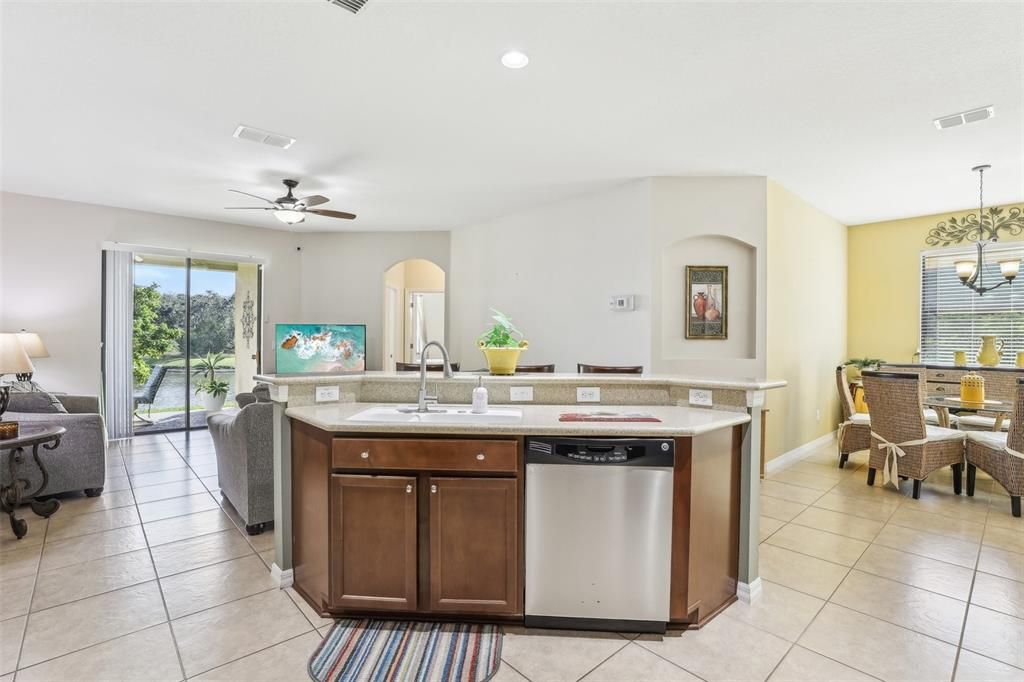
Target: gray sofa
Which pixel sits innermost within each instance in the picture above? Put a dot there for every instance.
(244, 443)
(80, 462)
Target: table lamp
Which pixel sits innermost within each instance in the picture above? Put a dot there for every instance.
(13, 360)
(34, 348)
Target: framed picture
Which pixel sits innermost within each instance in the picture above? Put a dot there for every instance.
(320, 348)
(707, 302)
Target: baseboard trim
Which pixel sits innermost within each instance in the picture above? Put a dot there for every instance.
(749, 592)
(796, 454)
(283, 578)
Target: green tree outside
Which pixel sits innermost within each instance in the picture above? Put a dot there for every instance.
(151, 338)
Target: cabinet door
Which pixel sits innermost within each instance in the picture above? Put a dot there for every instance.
(373, 542)
(474, 545)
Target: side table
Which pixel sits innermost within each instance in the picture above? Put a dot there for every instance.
(31, 436)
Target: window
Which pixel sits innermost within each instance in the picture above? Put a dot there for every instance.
(953, 317)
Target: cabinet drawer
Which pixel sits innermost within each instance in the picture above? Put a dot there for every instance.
(946, 375)
(943, 388)
(497, 456)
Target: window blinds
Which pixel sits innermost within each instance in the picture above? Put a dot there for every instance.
(953, 317)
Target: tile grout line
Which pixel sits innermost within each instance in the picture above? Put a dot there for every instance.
(160, 589)
(28, 614)
(967, 612)
(253, 653)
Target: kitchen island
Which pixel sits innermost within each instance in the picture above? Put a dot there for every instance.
(425, 518)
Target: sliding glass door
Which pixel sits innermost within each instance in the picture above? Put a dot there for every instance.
(195, 339)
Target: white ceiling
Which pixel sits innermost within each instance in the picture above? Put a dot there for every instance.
(404, 115)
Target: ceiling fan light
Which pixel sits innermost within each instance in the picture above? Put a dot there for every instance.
(289, 217)
(965, 269)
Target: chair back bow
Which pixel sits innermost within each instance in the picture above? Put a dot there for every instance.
(893, 451)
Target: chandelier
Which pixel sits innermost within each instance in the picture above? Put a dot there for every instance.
(971, 272)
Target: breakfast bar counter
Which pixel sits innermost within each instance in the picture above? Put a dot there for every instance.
(450, 486)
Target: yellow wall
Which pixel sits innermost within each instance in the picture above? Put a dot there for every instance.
(806, 319)
(885, 285)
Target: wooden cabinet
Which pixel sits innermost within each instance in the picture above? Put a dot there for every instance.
(407, 525)
(474, 545)
(373, 555)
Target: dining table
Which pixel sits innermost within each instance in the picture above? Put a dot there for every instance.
(945, 405)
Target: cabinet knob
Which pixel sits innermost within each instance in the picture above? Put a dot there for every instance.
(480, 456)
(433, 489)
(408, 488)
(365, 455)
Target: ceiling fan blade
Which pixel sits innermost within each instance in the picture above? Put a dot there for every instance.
(332, 214)
(238, 191)
(251, 208)
(314, 200)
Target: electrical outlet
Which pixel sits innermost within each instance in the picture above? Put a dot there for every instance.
(588, 394)
(700, 396)
(520, 394)
(326, 394)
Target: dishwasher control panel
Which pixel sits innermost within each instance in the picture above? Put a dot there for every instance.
(630, 451)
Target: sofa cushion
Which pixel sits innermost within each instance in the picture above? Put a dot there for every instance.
(38, 402)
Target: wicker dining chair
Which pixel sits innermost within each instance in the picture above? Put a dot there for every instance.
(902, 445)
(1000, 455)
(855, 431)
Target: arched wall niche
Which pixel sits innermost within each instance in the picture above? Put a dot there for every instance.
(709, 249)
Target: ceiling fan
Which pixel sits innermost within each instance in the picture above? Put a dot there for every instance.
(290, 209)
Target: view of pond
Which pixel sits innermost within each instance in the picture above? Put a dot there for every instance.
(171, 394)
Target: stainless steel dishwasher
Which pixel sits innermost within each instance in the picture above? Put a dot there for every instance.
(598, 533)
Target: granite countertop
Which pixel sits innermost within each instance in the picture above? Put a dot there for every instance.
(540, 378)
(537, 420)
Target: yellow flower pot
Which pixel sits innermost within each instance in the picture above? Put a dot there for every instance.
(503, 360)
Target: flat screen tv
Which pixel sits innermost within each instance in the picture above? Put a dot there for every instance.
(320, 348)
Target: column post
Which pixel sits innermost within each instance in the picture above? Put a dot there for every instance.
(281, 570)
(749, 580)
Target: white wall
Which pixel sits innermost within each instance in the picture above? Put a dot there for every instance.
(710, 221)
(552, 270)
(51, 274)
(342, 275)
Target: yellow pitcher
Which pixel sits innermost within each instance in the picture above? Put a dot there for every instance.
(991, 350)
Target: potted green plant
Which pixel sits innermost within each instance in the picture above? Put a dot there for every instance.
(861, 364)
(212, 389)
(502, 344)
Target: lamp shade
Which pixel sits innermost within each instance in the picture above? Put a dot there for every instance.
(13, 358)
(33, 345)
(965, 269)
(1009, 268)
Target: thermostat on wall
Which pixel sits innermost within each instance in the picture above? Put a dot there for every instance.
(621, 302)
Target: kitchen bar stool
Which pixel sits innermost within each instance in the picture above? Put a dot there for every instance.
(535, 369)
(608, 369)
(415, 366)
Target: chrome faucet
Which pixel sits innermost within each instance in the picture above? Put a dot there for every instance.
(423, 399)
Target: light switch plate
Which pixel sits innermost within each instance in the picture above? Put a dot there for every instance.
(588, 394)
(326, 394)
(700, 396)
(520, 394)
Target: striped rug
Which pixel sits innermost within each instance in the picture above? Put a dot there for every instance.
(369, 650)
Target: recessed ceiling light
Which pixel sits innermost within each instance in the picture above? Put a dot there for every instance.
(513, 59)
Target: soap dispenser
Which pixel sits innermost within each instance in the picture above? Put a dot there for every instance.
(479, 397)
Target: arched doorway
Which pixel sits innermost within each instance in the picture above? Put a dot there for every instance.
(414, 310)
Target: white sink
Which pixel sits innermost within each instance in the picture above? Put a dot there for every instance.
(439, 414)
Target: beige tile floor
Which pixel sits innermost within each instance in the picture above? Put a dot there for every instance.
(155, 580)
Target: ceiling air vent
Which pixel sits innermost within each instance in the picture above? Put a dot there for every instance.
(352, 6)
(963, 117)
(263, 137)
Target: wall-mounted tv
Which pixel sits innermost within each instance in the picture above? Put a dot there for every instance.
(319, 348)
